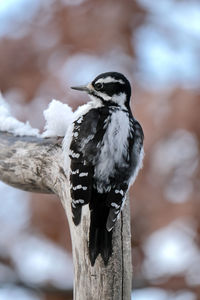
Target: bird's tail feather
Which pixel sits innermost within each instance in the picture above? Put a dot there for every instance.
(76, 214)
(100, 242)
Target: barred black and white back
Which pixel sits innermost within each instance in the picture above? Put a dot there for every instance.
(105, 150)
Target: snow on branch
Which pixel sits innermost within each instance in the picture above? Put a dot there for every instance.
(58, 117)
(29, 160)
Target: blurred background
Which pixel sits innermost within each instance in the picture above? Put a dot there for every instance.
(48, 45)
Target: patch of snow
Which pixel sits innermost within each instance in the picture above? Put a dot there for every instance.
(9, 124)
(58, 117)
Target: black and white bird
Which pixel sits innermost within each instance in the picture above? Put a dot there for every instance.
(106, 152)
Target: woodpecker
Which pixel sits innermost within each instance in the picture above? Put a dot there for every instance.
(105, 153)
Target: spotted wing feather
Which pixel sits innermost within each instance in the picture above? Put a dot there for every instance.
(81, 188)
(87, 133)
(115, 201)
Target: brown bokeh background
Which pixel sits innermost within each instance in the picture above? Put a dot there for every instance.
(47, 46)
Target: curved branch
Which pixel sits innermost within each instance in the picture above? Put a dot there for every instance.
(30, 163)
(36, 165)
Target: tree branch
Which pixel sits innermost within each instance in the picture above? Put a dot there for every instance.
(36, 165)
(30, 163)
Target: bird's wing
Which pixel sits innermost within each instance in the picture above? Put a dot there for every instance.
(115, 200)
(83, 150)
(81, 187)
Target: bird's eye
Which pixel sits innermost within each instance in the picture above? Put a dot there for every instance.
(98, 86)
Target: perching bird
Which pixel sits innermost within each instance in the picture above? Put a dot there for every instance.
(106, 152)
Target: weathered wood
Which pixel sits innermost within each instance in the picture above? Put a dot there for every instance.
(36, 165)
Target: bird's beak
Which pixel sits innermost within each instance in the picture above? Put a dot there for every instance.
(84, 88)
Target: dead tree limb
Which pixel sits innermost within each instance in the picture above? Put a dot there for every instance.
(36, 165)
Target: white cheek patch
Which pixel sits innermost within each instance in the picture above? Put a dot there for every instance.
(119, 99)
(105, 97)
(109, 79)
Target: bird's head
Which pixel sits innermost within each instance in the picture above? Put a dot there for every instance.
(111, 88)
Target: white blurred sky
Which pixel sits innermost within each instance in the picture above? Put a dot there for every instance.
(167, 44)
